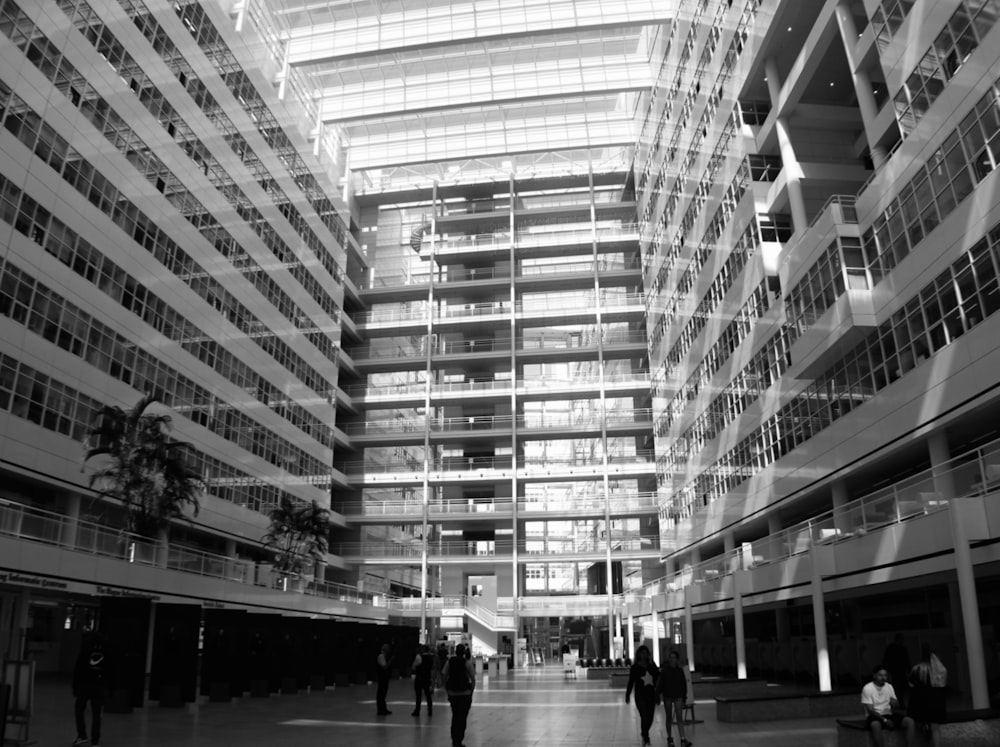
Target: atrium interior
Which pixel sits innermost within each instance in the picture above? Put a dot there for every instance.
(573, 326)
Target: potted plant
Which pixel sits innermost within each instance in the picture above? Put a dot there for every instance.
(298, 535)
(143, 468)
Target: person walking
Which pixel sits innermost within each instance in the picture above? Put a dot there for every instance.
(642, 678)
(385, 661)
(423, 672)
(672, 686)
(91, 676)
(459, 683)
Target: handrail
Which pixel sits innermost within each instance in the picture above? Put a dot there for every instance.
(618, 503)
(845, 202)
(974, 472)
(33, 524)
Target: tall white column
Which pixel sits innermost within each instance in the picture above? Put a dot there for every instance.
(819, 622)
(741, 644)
(940, 454)
(630, 643)
(862, 81)
(840, 498)
(970, 604)
(71, 523)
(688, 628)
(656, 637)
(774, 523)
(790, 164)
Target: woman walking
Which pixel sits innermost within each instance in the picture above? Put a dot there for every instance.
(642, 678)
(673, 687)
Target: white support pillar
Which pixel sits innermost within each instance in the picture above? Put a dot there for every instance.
(862, 81)
(774, 523)
(71, 524)
(688, 628)
(819, 622)
(630, 643)
(841, 521)
(656, 638)
(974, 650)
(940, 454)
(790, 164)
(739, 581)
(729, 547)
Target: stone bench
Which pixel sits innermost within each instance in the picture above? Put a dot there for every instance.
(606, 673)
(748, 709)
(964, 729)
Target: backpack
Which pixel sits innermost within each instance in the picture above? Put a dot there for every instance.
(939, 675)
(457, 679)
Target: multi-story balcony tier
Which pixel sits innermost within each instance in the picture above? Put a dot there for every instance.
(618, 422)
(592, 506)
(587, 549)
(632, 384)
(486, 469)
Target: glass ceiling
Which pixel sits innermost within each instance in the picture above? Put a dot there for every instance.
(418, 90)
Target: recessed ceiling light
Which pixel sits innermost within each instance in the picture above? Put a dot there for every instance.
(789, 28)
(831, 84)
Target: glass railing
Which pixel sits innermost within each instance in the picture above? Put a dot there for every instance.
(396, 314)
(438, 508)
(612, 380)
(382, 549)
(37, 525)
(842, 208)
(976, 472)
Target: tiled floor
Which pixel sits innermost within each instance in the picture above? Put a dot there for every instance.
(526, 709)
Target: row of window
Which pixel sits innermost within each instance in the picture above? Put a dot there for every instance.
(957, 300)
(728, 204)
(732, 336)
(743, 389)
(825, 282)
(964, 32)
(48, 59)
(31, 395)
(887, 17)
(732, 56)
(744, 248)
(24, 123)
(967, 156)
(200, 26)
(46, 313)
(108, 46)
(35, 222)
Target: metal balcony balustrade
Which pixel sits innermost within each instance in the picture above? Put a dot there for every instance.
(32, 524)
(612, 380)
(975, 472)
(531, 548)
(587, 504)
(606, 263)
(644, 457)
(585, 419)
(380, 351)
(841, 209)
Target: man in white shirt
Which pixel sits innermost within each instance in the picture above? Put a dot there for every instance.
(882, 709)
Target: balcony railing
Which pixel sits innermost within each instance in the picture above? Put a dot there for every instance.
(578, 504)
(612, 380)
(391, 550)
(972, 473)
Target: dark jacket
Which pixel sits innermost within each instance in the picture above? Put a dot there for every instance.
(673, 684)
(644, 680)
(92, 673)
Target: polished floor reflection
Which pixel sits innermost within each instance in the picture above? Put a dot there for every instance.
(533, 708)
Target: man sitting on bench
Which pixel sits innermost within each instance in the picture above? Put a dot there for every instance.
(883, 710)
